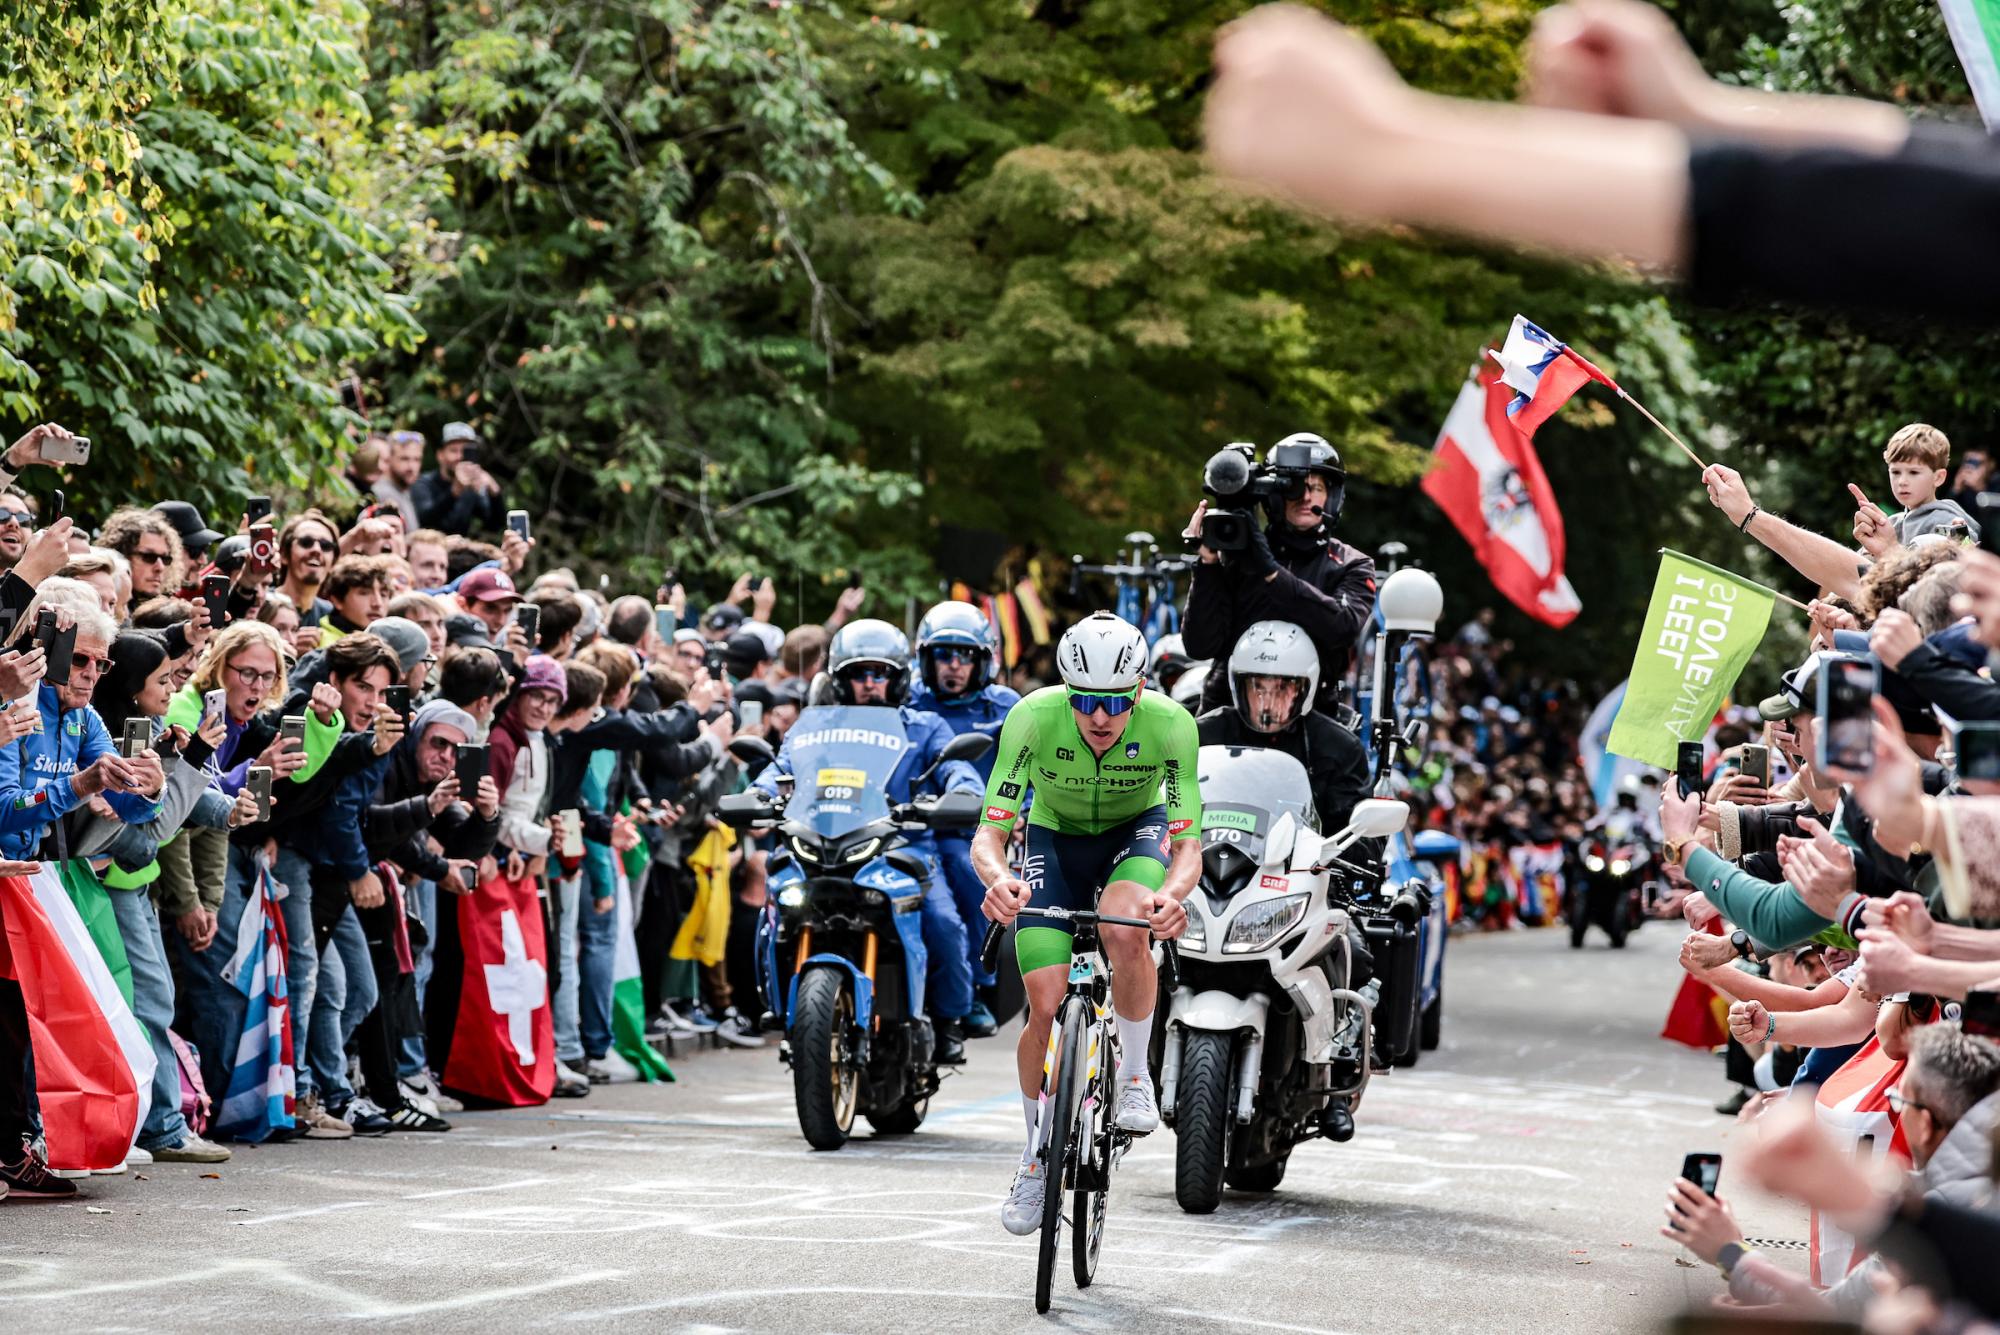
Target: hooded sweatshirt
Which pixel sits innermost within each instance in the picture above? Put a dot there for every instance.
(35, 773)
(1939, 516)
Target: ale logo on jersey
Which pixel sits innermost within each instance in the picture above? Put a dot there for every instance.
(1131, 750)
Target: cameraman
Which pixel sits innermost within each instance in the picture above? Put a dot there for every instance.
(1291, 569)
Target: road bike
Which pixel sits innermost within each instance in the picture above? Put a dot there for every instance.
(1080, 1142)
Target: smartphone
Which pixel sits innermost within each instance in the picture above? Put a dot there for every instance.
(518, 521)
(529, 616)
(1755, 761)
(1980, 1014)
(292, 727)
(1976, 747)
(470, 454)
(717, 661)
(259, 784)
(1704, 1170)
(1846, 713)
(213, 703)
(256, 509)
(854, 579)
(665, 623)
(60, 646)
(136, 738)
(750, 714)
(397, 698)
(263, 547)
(471, 768)
(572, 844)
(215, 593)
(668, 578)
(1688, 765)
(75, 450)
(56, 502)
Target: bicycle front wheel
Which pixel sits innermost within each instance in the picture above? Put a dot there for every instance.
(1065, 1095)
(1086, 1214)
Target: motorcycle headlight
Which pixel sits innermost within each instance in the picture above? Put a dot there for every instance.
(1619, 866)
(1259, 925)
(1594, 862)
(1196, 936)
(791, 897)
(803, 851)
(861, 852)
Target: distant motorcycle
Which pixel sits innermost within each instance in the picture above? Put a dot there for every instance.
(1611, 892)
(1266, 1028)
(840, 951)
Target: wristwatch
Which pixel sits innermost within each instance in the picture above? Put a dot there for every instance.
(1741, 940)
(1727, 1256)
(1677, 850)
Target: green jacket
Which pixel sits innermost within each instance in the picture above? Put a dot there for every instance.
(1772, 913)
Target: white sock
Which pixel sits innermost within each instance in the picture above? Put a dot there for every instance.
(1031, 1109)
(1133, 1036)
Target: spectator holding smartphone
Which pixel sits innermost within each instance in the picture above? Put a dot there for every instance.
(461, 497)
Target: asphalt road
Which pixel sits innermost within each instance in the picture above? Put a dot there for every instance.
(1511, 1182)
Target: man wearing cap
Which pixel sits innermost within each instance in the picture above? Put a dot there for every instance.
(748, 660)
(196, 536)
(721, 621)
(484, 604)
(412, 647)
(460, 497)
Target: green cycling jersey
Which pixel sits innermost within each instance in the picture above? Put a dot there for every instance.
(1077, 792)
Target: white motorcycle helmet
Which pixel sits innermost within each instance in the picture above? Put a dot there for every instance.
(1273, 649)
(1187, 691)
(1103, 653)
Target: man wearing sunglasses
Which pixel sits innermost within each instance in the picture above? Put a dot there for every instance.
(17, 522)
(957, 665)
(1114, 825)
(869, 664)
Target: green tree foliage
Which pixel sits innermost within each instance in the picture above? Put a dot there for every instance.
(191, 303)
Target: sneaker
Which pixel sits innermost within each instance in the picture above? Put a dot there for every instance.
(738, 1032)
(596, 1072)
(138, 1158)
(365, 1116)
(29, 1179)
(412, 1098)
(192, 1149)
(700, 1021)
(979, 1021)
(1733, 1105)
(1137, 1113)
(570, 1084)
(410, 1117)
(677, 1024)
(114, 1171)
(426, 1086)
(1021, 1212)
(316, 1123)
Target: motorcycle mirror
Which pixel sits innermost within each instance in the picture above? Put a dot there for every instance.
(752, 751)
(967, 746)
(740, 809)
(1378, 817)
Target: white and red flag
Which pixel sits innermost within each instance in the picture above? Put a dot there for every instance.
(93, 1064)
(503, 1048)
(1489, 482)
(1543, 372)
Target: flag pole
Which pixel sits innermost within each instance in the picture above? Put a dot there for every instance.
(1665, 430)
(1696, 560)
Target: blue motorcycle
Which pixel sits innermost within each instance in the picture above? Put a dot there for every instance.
(840, 948)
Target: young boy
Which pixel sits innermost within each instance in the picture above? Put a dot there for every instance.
(1919, 458)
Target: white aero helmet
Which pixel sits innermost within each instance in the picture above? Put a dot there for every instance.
(1273, 649)
(1102, 652)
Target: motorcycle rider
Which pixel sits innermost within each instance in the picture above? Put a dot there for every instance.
(1293, 570)
(1123, 837)
(1273, 676)
(869, 664)
(1626, 820)
(956, 667)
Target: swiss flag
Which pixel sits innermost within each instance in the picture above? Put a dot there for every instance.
(503, 1049)
(1489, 482)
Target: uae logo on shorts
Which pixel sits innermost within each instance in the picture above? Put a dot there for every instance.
(1131, 750)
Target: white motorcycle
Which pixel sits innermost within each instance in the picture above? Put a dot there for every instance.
(1267, 1041)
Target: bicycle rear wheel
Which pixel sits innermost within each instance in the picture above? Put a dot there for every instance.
(1087, 1202)
(1059, 1151)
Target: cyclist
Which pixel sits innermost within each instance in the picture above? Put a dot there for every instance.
(956, 666)
(1115, 824)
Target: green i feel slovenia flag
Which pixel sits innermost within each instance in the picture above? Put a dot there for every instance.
(1701, 628)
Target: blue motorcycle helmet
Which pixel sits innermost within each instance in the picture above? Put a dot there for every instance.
(956, 625)
(869, 645)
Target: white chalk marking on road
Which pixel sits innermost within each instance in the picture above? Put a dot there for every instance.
(390, 1200)
(808, 1291)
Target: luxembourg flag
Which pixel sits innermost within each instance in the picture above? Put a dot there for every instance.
(1489, 482)
(93, 1064)
(1543, 373)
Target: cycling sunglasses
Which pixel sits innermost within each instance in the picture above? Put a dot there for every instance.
(1087, 703)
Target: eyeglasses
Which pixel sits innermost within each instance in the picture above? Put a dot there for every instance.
(152, 558)
(88, 663)
(316, 544)
(21, 517)
(253, 679)
(1900, 1103)
(1087, 703)
(867, 674)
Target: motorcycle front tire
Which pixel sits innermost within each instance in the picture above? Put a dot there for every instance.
(824, 1087)
(1201, 1127)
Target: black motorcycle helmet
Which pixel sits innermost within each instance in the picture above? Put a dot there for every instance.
(873, 644)
(1326, 463)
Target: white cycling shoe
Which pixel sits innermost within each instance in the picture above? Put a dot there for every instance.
(1021, 1212)
(1137, 1113)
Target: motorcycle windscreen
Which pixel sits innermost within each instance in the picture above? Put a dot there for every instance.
(842, 758)
(1245, 793)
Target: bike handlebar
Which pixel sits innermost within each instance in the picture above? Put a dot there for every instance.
(989, 949)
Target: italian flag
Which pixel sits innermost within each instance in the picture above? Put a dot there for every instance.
(93, 1065)
(628, 994)
(1975, 35)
